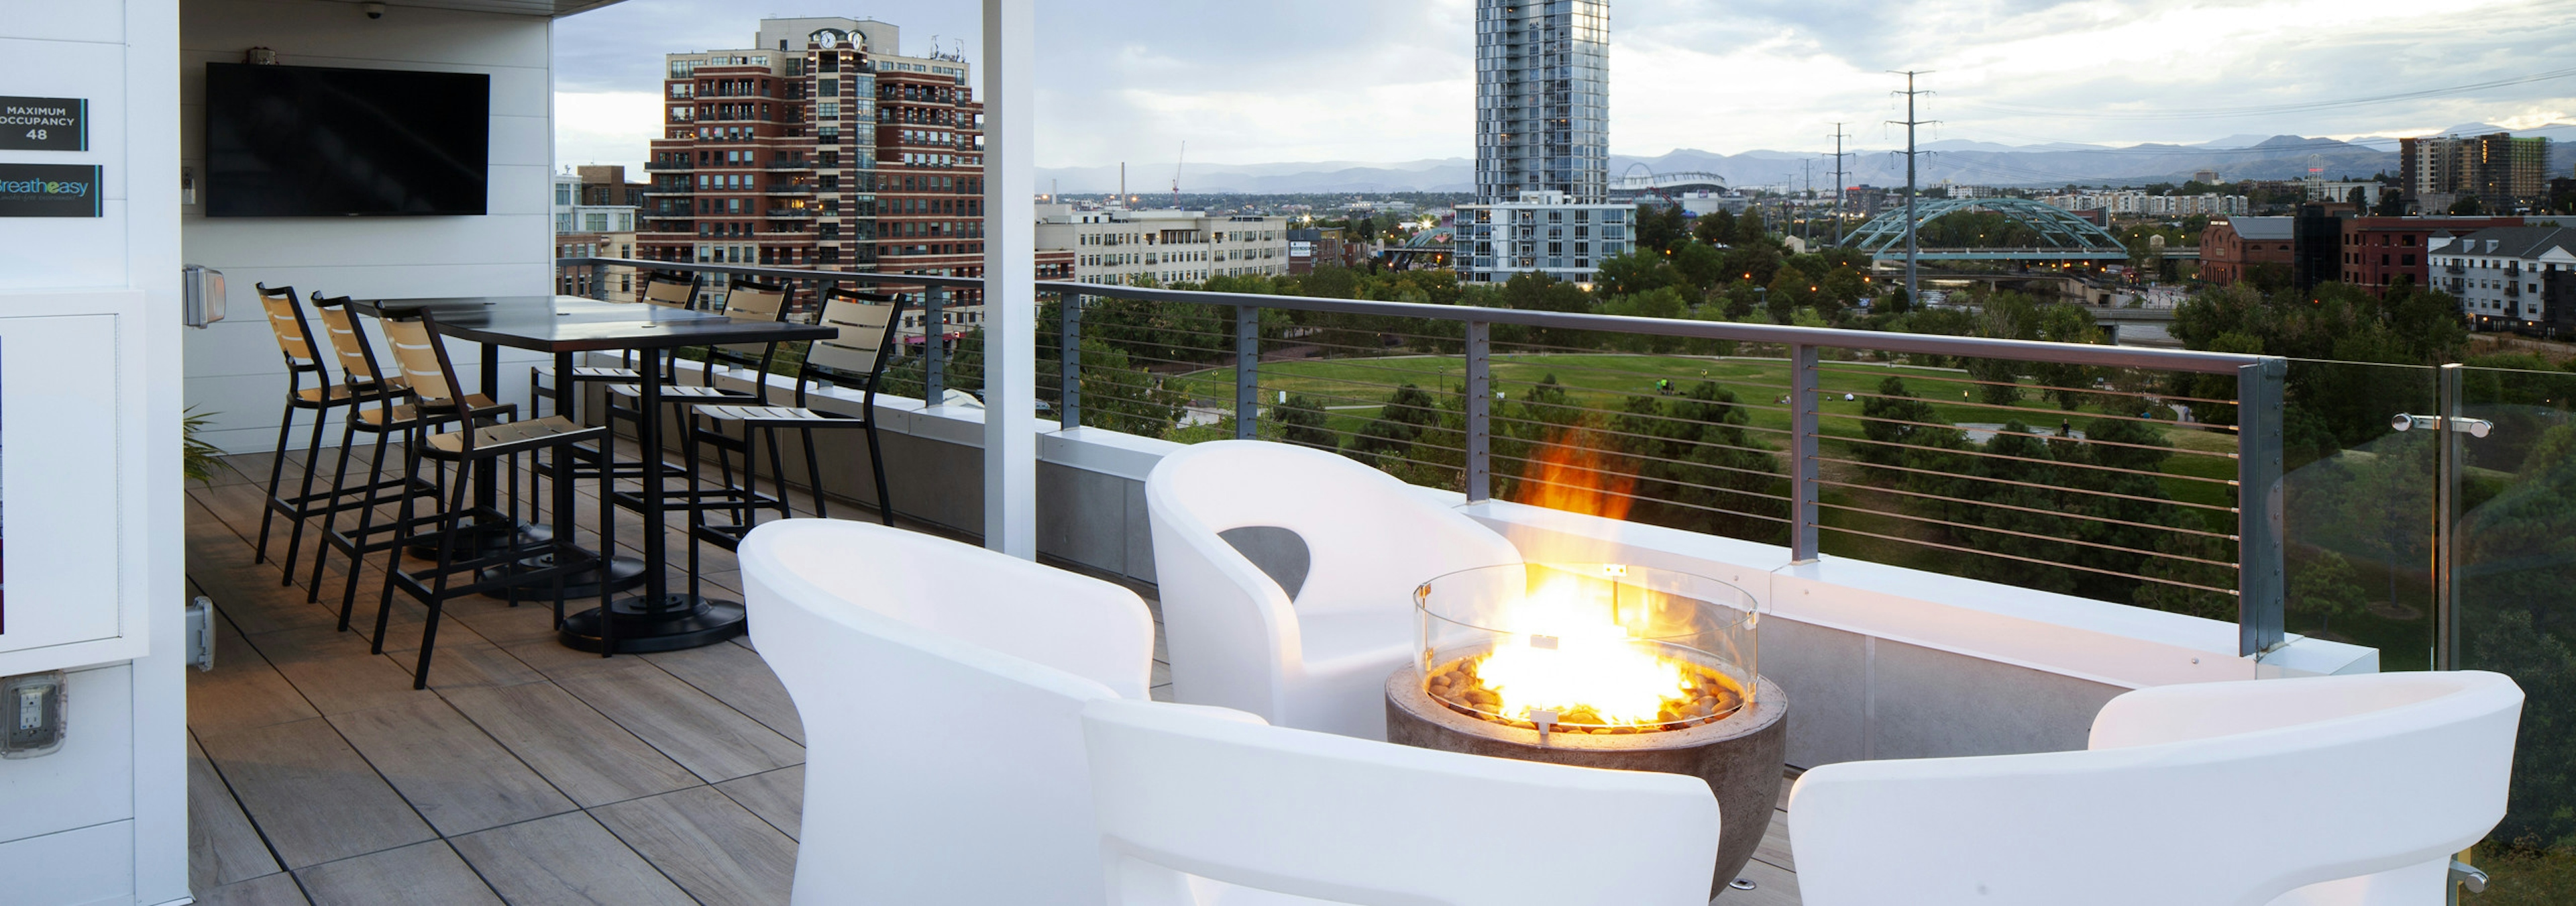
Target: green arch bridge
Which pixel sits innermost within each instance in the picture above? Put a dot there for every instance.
(2063, 236)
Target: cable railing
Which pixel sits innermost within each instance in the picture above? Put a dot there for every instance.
(2118, 473)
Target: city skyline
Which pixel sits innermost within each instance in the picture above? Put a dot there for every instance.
(1342, 81)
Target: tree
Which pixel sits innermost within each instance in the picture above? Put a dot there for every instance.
(1696, 467)
(1789, 291)
(2326, 587)
(1388, 440)
(1659, 227)
(1897, 302)
(1715, 227)
(2468, 204)
(1749, 229)
(1301, 422)
(1641, 271)
(1841, 286)
(1702, 266)
(2065, 383)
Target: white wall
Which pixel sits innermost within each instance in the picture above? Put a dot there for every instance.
(233, 367)
(104, 819)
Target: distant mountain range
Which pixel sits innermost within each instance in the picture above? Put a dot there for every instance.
(1954, 160)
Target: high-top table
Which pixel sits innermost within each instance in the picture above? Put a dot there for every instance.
(656, 620)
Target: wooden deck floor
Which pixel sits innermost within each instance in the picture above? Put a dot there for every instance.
(527, 773)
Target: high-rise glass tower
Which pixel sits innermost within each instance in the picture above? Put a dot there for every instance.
(1542, 98)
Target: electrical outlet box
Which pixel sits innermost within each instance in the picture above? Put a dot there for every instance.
(31, 711)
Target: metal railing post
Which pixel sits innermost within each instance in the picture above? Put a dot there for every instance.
(1480, 411)
(1804, 397)
(2448, 460)
(2261, 621)
(1247, 372)
(934, 347)
(1070, 338)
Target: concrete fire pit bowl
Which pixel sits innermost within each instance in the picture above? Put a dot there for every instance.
(1740, 756)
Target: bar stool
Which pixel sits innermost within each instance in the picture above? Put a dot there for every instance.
(856, 358)
(362, 371)
(474, 442)
(745, 300)
(664, 289)
(660, 288)
(303, 357)
(395, 413)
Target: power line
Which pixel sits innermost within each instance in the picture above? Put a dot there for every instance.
(2270, 109)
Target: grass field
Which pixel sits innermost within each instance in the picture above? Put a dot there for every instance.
(1354, 389)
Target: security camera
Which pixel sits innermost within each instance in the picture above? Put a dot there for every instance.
(373, 10)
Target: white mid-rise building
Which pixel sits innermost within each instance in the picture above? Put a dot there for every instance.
(1126, 247)
(2499, 273)
(1546, 232)
(2135, 203)
(571, 216)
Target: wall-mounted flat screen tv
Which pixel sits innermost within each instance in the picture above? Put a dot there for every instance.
(305, 141)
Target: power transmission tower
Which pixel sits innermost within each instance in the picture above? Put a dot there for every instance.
(1839, 182)
(1913, 294)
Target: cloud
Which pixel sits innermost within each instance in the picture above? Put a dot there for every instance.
(1124, 80)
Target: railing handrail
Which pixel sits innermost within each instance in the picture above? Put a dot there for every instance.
(2260, 592)
(1831, 337)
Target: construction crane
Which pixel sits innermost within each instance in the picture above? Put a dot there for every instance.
(1176, 174)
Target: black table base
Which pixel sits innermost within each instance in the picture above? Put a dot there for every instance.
(624, 574)
(681, 622)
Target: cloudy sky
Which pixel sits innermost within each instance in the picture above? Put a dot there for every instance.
(1378, 81)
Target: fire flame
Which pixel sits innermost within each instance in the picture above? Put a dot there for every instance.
(1572, 475)
(1575, 647)
(1575, 643)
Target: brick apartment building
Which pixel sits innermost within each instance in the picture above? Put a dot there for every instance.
(820, 146)
(2231, 246)
(2379, 250)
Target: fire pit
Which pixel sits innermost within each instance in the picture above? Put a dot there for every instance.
(1600, 665)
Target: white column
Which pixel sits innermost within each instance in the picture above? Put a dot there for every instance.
(1010, 280)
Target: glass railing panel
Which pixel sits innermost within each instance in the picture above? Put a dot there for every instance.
(2515, 575)
(2357, 508)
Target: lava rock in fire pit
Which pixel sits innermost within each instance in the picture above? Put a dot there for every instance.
(1740, 754)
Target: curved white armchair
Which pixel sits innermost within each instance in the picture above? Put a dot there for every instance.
(1208, 792)
(941, 687)
(1309, 650)
(2344, 789)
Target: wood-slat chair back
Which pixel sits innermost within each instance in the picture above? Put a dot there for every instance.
(294, 333)
(357, 356)
(423, 360)
(752, 301)
(668, 290)
(867, 333)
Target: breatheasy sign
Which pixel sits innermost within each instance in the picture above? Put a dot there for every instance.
(49, 190)
(44, 124)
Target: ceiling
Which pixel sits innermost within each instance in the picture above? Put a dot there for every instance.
(553, 8)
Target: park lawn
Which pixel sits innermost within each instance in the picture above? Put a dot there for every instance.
(1352, 390)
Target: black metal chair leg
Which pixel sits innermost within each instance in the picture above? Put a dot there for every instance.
(295, 533)
(451, 531)
(813, 474)
(402, 527)
(276, 470)
(777, 475)
(331, 510)
(876, 461)
(366, 522)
